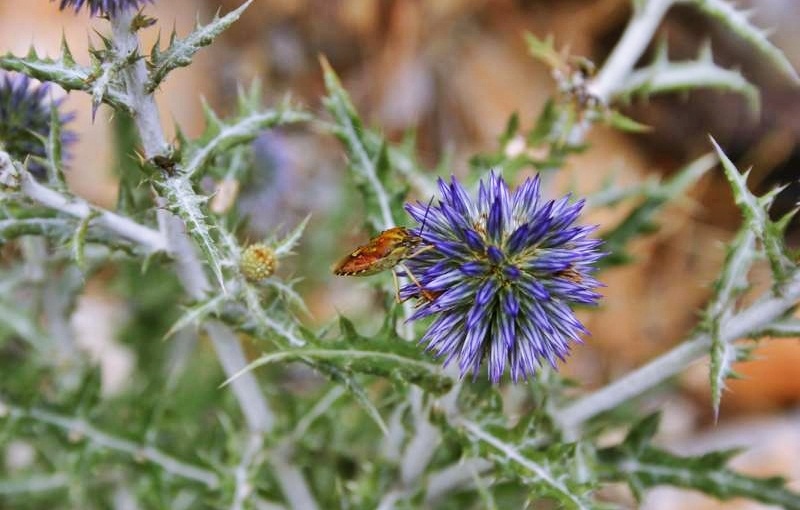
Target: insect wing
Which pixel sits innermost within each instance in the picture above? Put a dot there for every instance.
(379, 254)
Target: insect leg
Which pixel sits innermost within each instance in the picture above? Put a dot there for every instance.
(396, 287)
(427, 295)
(421, 250)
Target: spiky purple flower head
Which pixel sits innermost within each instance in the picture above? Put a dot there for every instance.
(102, 7)
(25, 109)
(502, 276)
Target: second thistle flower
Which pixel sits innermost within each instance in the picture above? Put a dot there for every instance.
(102, 7)
(25, 118)
(505, 271)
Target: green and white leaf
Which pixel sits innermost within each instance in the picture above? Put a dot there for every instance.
(102, 80)
(11, 228)
(63, 71)
(54, 151)
(545, 474)
(738, 22)
(287, 292)
(663, 76)
(197, 313)
(285, 246)
(220, 136)
(186, 204)
(265, 325)
(643, 466)
(79, 240)
(732, 283)
(23, 325)
(179, 53)
(754, 209)
(383, 354)
(376, 361)
(369, 176)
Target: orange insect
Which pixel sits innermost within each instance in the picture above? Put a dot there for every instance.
(385, 251)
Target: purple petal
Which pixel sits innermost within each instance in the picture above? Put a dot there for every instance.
(486, 292)
(495, 255)
(473, 240)
(473, 268)
(510, 304)
(496, 221)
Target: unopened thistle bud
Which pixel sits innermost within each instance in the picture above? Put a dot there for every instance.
(258, 262)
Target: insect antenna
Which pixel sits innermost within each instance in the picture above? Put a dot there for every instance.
(425, 217)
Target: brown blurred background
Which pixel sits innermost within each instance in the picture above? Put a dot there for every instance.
(455, 70)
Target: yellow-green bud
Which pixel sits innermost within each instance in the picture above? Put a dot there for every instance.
(258, 262)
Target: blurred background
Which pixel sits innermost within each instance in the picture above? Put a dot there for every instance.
(453, 71)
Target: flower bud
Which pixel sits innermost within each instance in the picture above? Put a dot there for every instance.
(258, 262)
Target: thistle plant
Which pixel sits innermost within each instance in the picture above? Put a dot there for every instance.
(357, 412)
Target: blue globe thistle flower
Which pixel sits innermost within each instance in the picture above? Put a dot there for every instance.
(25, 119)
(501, 276)
(102, 7)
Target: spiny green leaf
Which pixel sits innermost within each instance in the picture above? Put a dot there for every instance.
(544, 50)
(619, 121)
(287, 244)
(738, 22)
(287, 292)
(267, 323)
(179, 53)
(511, 130)
(64, 72)
(663, 76)
(196, 313)
(644, 466)
(51, 227)
(54, 149)
(356, 390)
(757, 219)
(545, 474)
(23, 325)
(102, 79)
(185, 203)
(731, 284)
(220, 136)
(79, 240)
(363, 156)
(639, 221)
(377, 360)
(338, 373)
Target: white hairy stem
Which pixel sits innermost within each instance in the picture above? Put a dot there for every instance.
(254, 406)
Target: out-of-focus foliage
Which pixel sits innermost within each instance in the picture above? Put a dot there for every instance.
(351, 414)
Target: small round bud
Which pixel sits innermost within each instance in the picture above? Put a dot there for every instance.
(258, 262)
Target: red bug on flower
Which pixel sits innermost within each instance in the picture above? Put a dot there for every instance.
(385, 251)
